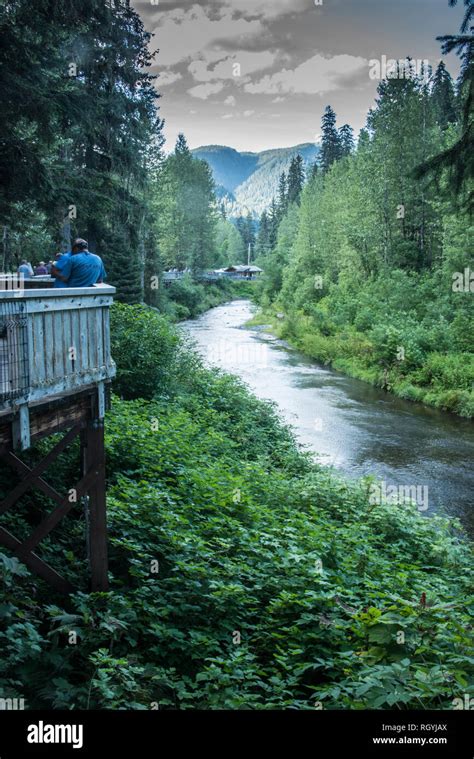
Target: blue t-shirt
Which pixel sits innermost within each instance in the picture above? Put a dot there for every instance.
(26, 270)
(58, 282)
(80, 269)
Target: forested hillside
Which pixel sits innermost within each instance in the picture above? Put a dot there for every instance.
(229, 167)
(372, 264)
(252, 178)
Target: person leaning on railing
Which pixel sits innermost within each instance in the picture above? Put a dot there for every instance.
(80, 268)
(26, 269)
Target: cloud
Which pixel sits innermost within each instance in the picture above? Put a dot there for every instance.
(248, 8)
(208, 67)
(248, 113)
(267, 8)
(230, 100)
(183, 34)
(202, 91)
(168, 77)
(316, 75)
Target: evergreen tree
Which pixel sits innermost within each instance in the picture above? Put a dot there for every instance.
(458, 159)
(346, 136)
(250, 236)
(282, 194)
(295, 179)
(273, 222)
(263, 245)
(181, 149)
(185, 211)
(314, 170)
(443, 97)
(331, 141)
(246, 228)
(241, 226)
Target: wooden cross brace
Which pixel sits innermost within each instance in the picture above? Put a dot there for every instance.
(92, 482)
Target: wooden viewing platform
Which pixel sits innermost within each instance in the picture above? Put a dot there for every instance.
(55, 366)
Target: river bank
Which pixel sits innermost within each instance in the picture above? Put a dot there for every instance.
(185, 298)
(436, 384)
(356, 428)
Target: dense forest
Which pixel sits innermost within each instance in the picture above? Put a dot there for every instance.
(81, 153)
(242, 574)
(372, 266)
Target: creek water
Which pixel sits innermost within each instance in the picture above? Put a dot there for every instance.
(350, 425)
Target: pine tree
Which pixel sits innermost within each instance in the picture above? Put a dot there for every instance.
(458, 160)
(263, 246)
(314, 171)
(282, 194)
(346, 136)
(295, 179)
(181, 149)
(443, 97)
(273, 222)
(186, 214)
(331, 142)
(241, 227)
(246, 228)
(249, 231)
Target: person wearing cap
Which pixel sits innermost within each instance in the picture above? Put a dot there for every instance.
(79, 269)
(40, 269)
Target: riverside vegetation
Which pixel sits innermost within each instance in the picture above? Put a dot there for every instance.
(369, 264)
(242, 574)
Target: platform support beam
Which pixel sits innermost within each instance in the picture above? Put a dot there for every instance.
(89, 424)
(93, 450)
(21, 428)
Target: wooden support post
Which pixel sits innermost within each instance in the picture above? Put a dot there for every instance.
(21, 429)
(94, 462)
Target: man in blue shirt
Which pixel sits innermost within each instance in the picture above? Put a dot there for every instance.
(79, 269)
(26, 269)
(58, 282)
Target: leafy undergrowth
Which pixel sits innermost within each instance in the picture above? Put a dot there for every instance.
(242, 575)
(442, 380)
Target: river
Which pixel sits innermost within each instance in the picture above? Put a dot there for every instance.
(350, 425)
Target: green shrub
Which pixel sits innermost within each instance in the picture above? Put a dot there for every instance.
(143, 344)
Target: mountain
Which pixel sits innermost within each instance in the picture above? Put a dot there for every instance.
(250, 180)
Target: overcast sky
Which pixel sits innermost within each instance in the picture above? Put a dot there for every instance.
(257, 74)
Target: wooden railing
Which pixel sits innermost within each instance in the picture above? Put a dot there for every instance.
(53, 342)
